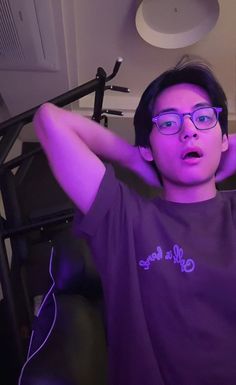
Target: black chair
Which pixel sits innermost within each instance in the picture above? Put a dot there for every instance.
(68, 341)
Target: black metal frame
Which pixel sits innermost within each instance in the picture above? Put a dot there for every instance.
(13, 227)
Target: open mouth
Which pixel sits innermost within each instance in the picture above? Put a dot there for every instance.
(192, 154)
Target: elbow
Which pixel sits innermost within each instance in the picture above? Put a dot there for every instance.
(42, 120)
(43, 112)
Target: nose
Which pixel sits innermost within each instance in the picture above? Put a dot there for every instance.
(188, 129)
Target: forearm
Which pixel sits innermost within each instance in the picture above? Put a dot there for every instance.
(227, 166)
(53, 123)
(99, 140)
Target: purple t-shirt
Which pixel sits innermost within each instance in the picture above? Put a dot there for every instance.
(169, 277)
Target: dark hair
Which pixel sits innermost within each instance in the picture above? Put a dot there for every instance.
(195, 73)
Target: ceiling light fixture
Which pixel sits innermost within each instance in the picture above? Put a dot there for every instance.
(176, 23)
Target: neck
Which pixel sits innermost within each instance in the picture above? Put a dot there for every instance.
(189, 193)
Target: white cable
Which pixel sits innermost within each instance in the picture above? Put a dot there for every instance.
(29, 357)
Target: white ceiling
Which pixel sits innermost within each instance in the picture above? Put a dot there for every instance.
(94, 33)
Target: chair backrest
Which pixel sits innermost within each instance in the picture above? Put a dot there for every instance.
(68, 342)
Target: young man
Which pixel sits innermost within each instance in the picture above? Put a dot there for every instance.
(168, 265)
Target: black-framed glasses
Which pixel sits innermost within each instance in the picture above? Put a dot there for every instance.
(203, 118)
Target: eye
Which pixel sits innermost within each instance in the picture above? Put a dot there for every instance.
(167, 124)
(166, 121)
(203, 118)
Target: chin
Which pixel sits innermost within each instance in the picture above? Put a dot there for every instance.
(191, 180)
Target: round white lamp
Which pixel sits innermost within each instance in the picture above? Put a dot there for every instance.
(176, 23)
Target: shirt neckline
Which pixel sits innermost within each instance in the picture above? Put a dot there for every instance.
(203, 203)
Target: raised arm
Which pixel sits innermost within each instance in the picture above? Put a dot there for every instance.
(73, 145)
(227, 166)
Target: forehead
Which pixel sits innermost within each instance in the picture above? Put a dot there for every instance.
(181, 97)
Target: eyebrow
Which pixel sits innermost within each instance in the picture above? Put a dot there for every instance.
(172, 109)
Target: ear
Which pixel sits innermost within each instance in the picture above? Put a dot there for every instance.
(146, 153)
(225, 143)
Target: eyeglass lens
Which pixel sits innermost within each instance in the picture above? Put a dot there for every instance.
(202, 118)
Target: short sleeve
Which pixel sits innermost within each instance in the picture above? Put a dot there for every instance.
(88, 224)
